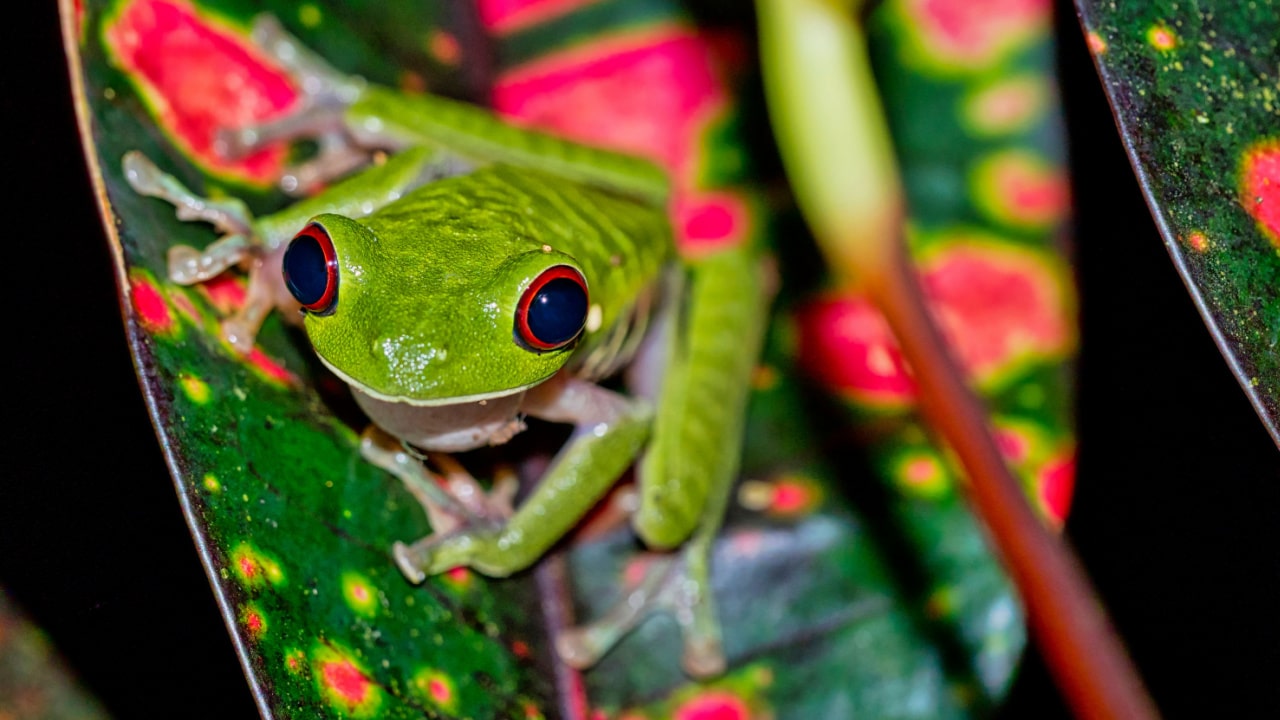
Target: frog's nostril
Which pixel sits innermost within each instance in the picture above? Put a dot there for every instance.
(311, 269)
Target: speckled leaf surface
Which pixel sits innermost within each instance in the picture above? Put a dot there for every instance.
(1195, 88)
(839, 596)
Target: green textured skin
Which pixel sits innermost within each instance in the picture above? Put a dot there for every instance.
(1195, 89)
(429, 284)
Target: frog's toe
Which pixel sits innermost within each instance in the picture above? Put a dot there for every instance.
(703, 656)
(186, 265)
(434, 554)
(336, 159)
(405, 560)
(669, 586)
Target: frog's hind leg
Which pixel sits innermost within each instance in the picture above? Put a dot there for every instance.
(707, 353)
(239, 246)
(677, 583)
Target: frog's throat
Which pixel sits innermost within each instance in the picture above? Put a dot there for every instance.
(426, 402)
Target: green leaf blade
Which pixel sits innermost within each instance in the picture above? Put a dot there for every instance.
(1194, 91)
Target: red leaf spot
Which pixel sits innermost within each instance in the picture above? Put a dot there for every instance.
(269, 368)
(520, 649)
(78, 13)
(1019, 188)
(920, 470)
(975, 32)
(1095, 42)
(1198, 241)
(200, 78)
(1162, 38)
(1006, 106)
(1057, 483)
(746, 543)
(996, 307)
(248, 568)
(1013, 445)
(714, 705)
(635, 571)
(1260, 187)
(181, 301)
(226, 292)
(652, 93)
(149, 304)
(459, 576)
(360, 593)
(505, 16)
(444, 47)
(439, 690)
(253, 622)
(790, 497)
(346, 681)
(845, 343)
(707, 221)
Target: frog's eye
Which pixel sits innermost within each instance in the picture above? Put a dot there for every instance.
(553, 309)
(311, 269)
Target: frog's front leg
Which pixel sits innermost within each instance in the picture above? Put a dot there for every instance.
(240, 245)
(452, 500)
(610, 430)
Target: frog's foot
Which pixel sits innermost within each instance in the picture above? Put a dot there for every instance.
(456, 505)
(673, 584)
(239, 246)
(477, 525)
(325, 96)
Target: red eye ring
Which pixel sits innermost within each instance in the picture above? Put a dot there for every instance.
(310, 268)
(553, 310)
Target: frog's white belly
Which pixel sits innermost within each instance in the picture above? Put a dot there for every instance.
(455, 427)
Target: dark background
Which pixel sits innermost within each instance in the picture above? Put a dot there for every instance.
(1176, 517)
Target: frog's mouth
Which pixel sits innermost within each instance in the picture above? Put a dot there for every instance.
(425, 402)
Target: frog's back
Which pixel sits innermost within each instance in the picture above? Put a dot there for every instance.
(479, 220)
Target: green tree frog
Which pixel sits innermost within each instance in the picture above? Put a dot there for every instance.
(485, 273)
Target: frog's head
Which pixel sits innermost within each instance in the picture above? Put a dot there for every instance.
(434, 315)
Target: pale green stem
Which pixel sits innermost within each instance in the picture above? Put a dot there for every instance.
(831, 131)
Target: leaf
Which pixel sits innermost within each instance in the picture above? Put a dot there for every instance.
(836, 596)
(1195, 93)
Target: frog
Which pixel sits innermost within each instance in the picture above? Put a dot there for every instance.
(470, 274)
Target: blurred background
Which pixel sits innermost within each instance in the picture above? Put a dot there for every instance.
(1176, 515)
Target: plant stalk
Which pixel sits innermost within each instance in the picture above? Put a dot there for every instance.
(836, 149)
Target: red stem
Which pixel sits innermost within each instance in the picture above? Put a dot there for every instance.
(1067, 623)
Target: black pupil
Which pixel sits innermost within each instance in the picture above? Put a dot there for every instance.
(306, 272)
(558, 311)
